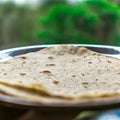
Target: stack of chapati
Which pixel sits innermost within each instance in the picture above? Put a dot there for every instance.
(60, 74)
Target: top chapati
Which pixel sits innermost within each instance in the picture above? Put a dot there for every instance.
(63, 71)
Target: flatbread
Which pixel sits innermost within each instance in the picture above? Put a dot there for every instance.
(30, 96)
(7, 92)
(63, 72)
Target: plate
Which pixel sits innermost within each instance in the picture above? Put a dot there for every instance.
(87, 104)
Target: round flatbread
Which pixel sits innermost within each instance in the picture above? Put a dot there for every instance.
(63, 71)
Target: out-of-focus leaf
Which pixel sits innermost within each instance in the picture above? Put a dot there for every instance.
(87, 22)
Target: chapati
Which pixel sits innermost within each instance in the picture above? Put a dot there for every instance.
(63, 72)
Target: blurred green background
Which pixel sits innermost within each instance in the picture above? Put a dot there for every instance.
(59, 22)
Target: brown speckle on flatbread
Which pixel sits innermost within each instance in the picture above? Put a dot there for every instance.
(6, 62)
(22, 74)
(50, 57)
(82, 51)
(96, 79)
(55, 82)
(85, 84)
(82, 74)
(50, 64)
(61, 53)
(24, 62)
(84, 56)
(5, 73)
(46, 72)
(90, 62)
(108, 61)
(75, 59)
(94, 54)
(73, 75)
(23, 57)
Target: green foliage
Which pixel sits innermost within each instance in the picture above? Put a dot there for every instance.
(88, 22)
(95, 22)
(49, 3)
